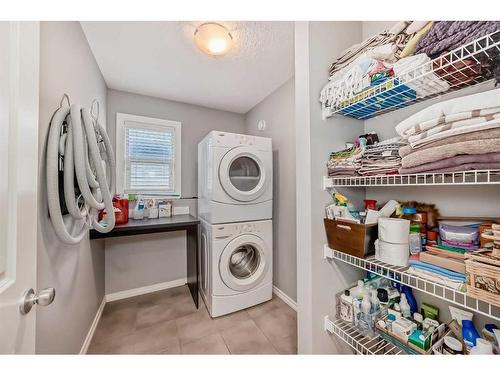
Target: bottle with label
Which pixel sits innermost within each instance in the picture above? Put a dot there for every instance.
(346, 307)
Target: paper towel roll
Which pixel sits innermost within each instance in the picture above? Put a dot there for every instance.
(392, 253)
(393, 230)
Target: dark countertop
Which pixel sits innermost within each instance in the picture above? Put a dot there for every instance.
(135, 227)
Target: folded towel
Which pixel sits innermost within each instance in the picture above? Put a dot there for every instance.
(458, 168)
(454, 154)
(457, 285)
(394, 36)
(416, 73)
(455, 276)
(456, 163)
(472, 136)
(448, 35)
(460, 245)
(468, 103)
(454, 129)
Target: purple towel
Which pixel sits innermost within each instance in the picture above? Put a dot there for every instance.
(490, 160)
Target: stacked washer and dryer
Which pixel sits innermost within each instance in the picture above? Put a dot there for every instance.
(235, 199)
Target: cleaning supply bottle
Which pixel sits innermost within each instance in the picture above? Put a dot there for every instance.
(405, 307)
(346, 307)
(410, 298)
(374, 300)
(359, 291)
(365, 319)
(469, 333)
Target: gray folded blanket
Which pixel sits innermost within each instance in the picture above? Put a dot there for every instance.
(448, 35)
(480, 134)
(458, 163)
(444, 152)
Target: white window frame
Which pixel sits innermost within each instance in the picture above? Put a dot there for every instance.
(149, 122)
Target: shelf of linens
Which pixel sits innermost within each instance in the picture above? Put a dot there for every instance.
(401, 275)
(415, 79)
(360, 343)
(473, 177)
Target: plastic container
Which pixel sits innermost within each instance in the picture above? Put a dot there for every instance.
(469, 333)
(415, 243)
(452, 346)
(370, 204)
(482, 347)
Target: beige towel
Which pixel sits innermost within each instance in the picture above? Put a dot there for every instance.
(481, 134)
(432, 154)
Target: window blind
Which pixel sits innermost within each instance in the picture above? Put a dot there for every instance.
(149, 159)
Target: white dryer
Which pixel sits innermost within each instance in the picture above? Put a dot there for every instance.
(235, 178)
(236, 265)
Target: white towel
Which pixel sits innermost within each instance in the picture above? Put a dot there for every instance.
(487, 99)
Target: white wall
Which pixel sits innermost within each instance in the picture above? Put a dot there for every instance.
(138, 261)
(278, 110)
(77, 272)
(316, 45)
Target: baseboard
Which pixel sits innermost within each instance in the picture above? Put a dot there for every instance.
(145, 289)
(93, 326)
(285, 298)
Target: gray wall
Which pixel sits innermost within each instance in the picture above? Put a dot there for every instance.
(196, 123)
(77, 272)
(145, 260)
(278, 110)
(317, 43)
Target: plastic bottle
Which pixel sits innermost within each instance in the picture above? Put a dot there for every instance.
(346, 307)
(469, 333)
(365, 322)
(374, 301)
(410, 298)
(359, 291)
(366, 305)
(405, 307)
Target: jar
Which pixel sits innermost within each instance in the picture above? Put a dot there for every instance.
(452, 346)
(431, 238)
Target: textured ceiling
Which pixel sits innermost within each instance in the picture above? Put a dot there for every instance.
(160, 59)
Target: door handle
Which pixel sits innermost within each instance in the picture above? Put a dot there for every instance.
(43, 298)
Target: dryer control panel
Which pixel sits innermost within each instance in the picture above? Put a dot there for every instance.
(230, 140)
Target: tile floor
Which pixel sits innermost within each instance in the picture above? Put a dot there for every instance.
(167, 322)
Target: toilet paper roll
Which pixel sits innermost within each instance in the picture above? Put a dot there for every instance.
(393, 230)
(392, 253)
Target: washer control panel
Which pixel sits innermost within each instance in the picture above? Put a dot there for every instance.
(231, 230)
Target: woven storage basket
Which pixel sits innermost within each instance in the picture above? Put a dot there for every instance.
(483, 281)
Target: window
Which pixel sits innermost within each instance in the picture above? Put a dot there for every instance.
(148, 155)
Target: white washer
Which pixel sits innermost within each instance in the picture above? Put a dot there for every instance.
(236, 265)
(235, 178)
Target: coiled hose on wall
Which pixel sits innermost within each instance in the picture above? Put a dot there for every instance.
(80, 146)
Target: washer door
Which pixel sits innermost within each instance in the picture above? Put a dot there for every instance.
(243, 262)
(243, 174)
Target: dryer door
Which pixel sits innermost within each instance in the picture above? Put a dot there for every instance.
(243, 174)
(243, 262)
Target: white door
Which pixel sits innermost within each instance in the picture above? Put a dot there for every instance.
(243, 262)
(243, 175)
(19, 65)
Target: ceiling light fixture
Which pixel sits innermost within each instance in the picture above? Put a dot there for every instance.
(213, 39)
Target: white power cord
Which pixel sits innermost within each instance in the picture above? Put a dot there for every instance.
(83, 147)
